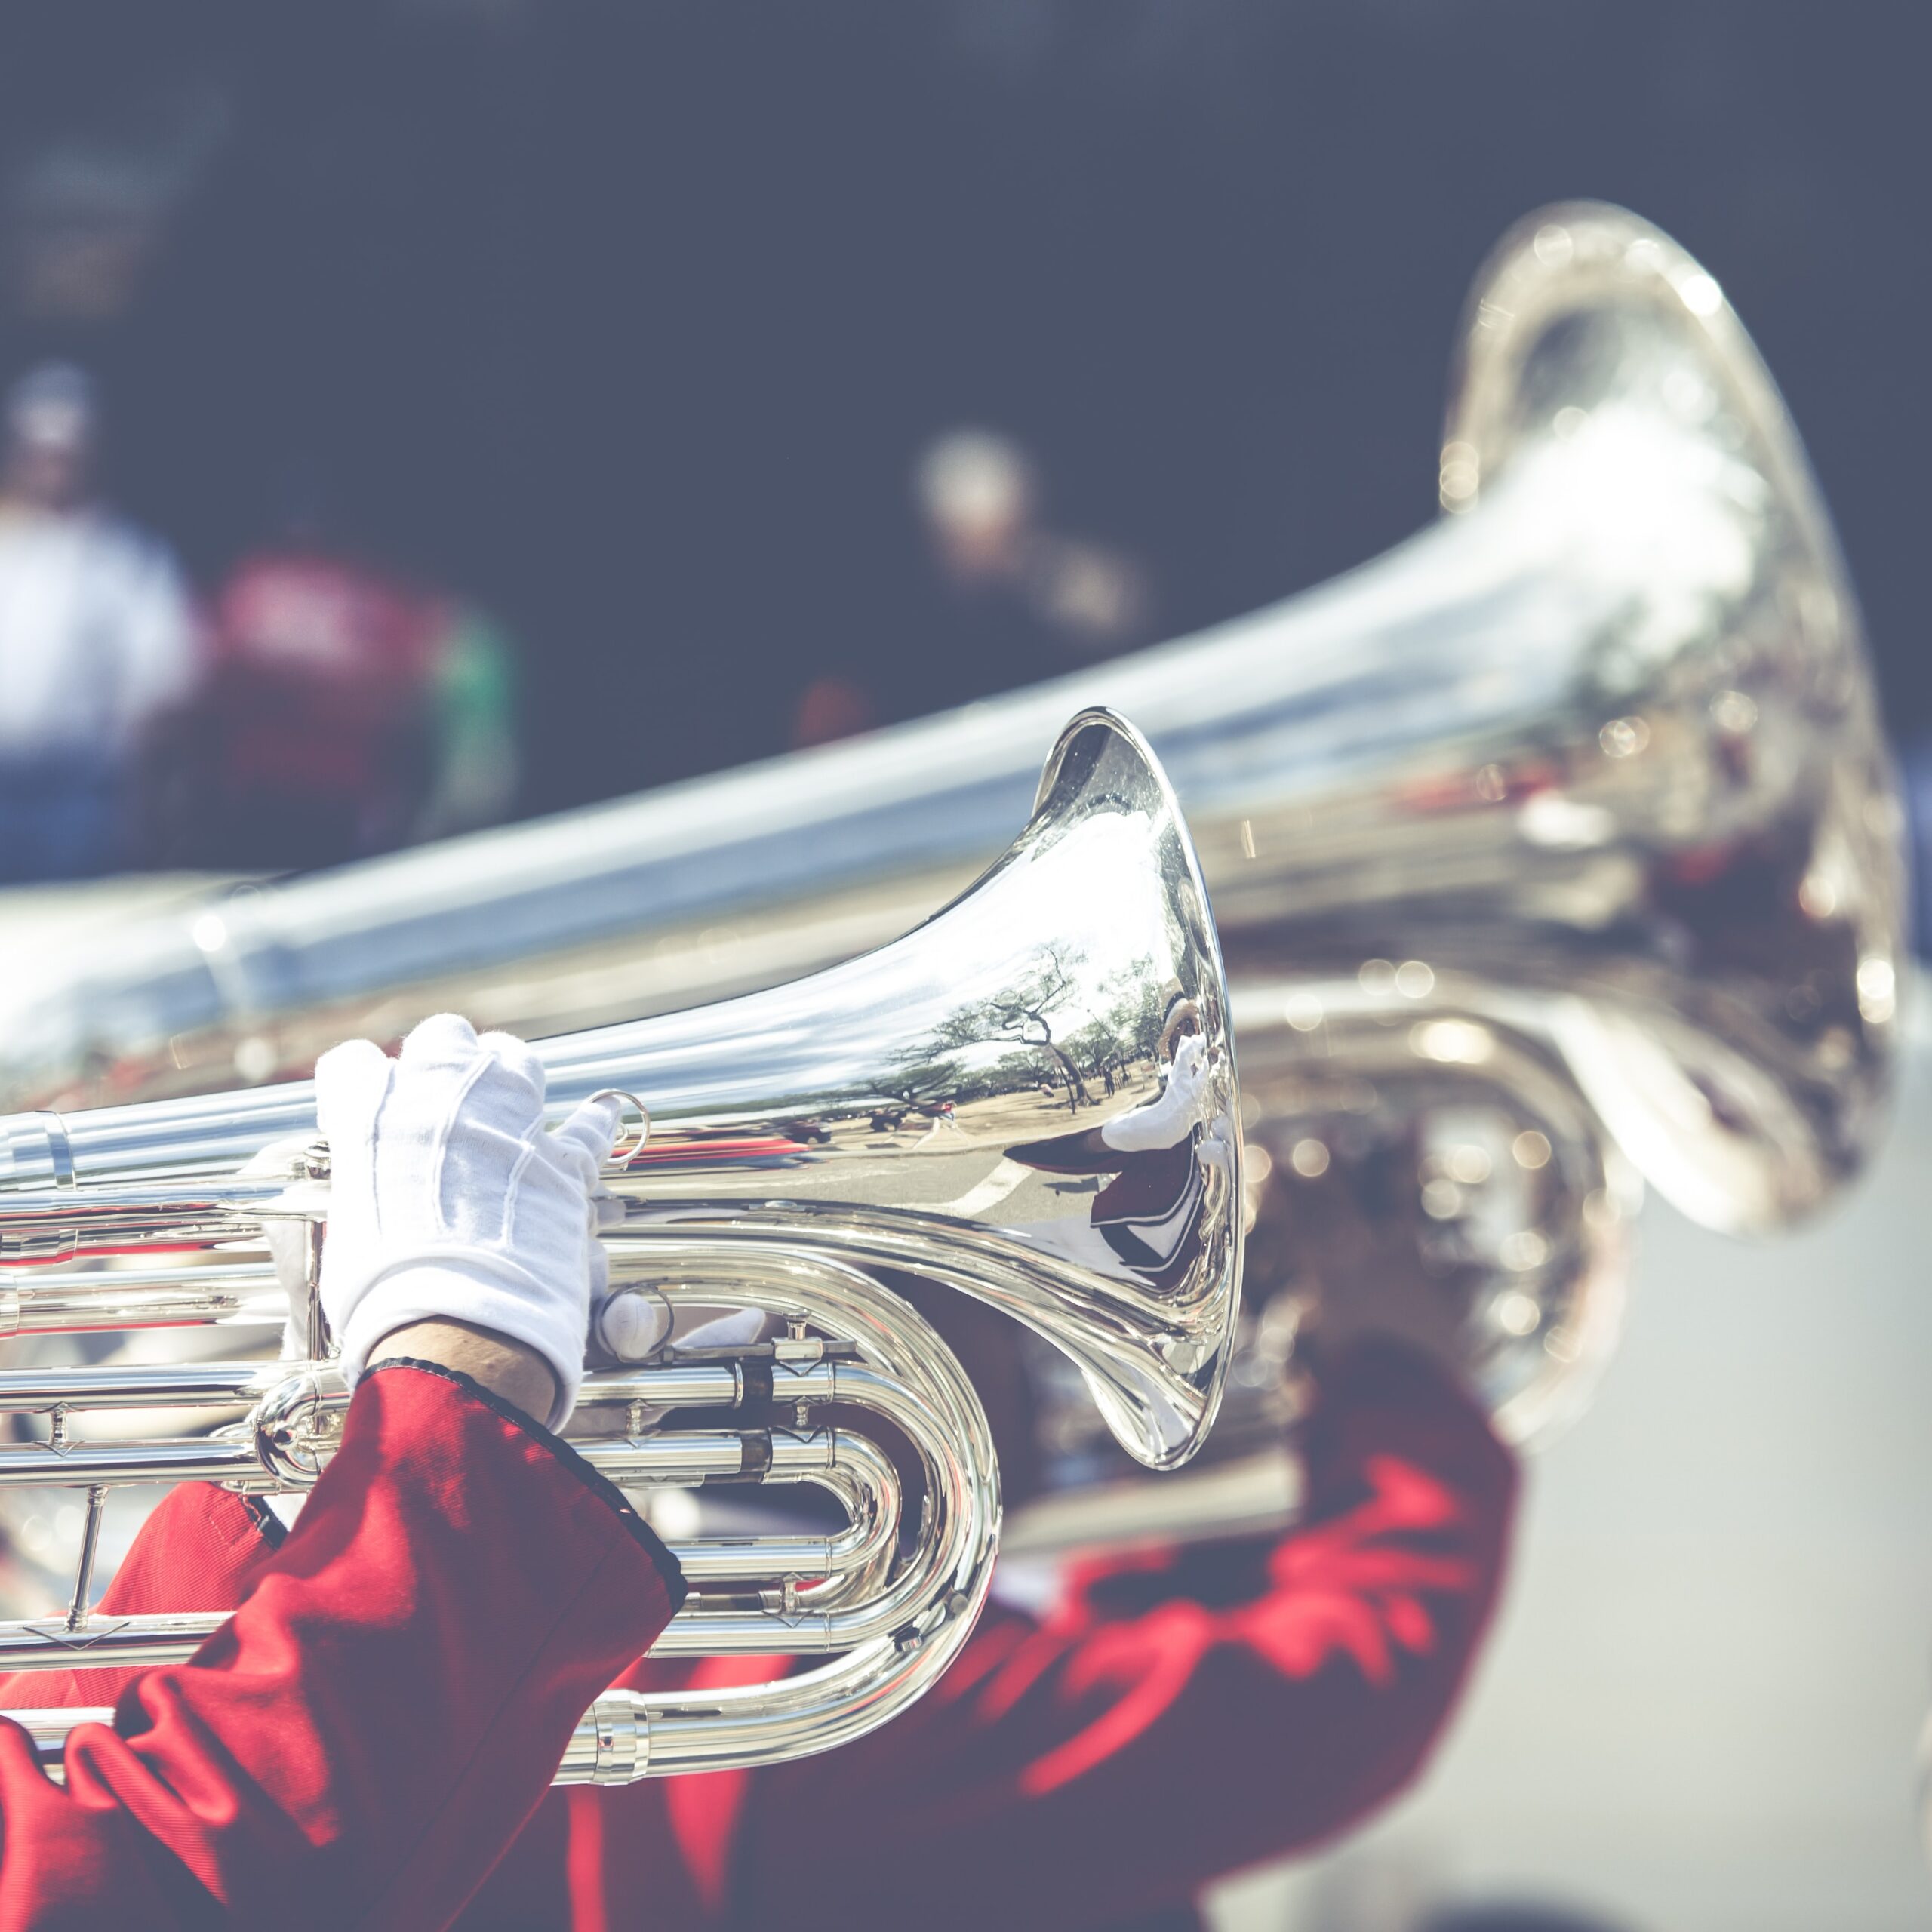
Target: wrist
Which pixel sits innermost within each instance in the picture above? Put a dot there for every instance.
(481, 1291)
(512, 1371)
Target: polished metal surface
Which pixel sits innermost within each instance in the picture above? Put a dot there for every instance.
(1575, 805)
(1445, 1165)
(36, 1303)
(903, 1110)
(1257, 1492)
(891, 1620)
(1690, 863)
(1605, 739)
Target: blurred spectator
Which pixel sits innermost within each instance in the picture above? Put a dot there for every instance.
(830, 708)
(97, 637)
(474, 765)
(979, 495)
(998, 600)
(347, 712)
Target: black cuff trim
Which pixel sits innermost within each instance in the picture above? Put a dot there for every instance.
(640, 1532)
(273, 1530)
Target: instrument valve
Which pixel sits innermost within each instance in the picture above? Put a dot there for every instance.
(795, 1348)
(783, 1602)
(795, 1352)
(295, 1428)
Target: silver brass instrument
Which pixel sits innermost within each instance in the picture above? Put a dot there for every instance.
(1042, 1005)
(1453, 1158)
(1587, 779)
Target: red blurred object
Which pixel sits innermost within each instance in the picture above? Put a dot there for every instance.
(313, 737)
(773, 1148)
(1178, 1716)
(343, 1753)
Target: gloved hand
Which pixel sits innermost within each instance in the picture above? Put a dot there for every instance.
(1174, 1112)
(448, 1199)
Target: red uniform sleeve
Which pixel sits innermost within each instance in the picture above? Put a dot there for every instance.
(369, 1731)
(1178, 1718)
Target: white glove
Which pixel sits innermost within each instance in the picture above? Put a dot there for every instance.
(633, 1324)
(1173, 1114)
(448, 1199)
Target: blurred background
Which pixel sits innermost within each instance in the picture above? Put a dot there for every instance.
(595, 371)
(428, 412)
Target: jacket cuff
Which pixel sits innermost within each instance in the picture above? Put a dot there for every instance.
(601, 1486)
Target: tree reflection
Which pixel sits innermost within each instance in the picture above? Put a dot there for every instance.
(1061, 1047)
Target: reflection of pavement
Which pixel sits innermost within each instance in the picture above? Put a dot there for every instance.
(1699, 1708)
(1007, 1178)
(971, 1184)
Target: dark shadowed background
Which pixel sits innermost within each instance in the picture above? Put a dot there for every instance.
(628, 320)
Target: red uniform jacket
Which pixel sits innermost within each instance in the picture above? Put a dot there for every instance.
(383, 1713)
(1178, 1718)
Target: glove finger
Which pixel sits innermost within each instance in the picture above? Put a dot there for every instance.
(443, 1039)
(569, 1152)
(506, 1088)
(351, 1081)
(517, 1058)
(593, 1127)
(633, 1325)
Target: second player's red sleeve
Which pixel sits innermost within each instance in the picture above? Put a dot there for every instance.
(1177, 1719)
(363, 1739)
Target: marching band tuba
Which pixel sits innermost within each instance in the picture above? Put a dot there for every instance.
(1572, 812)
(1074, 993)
